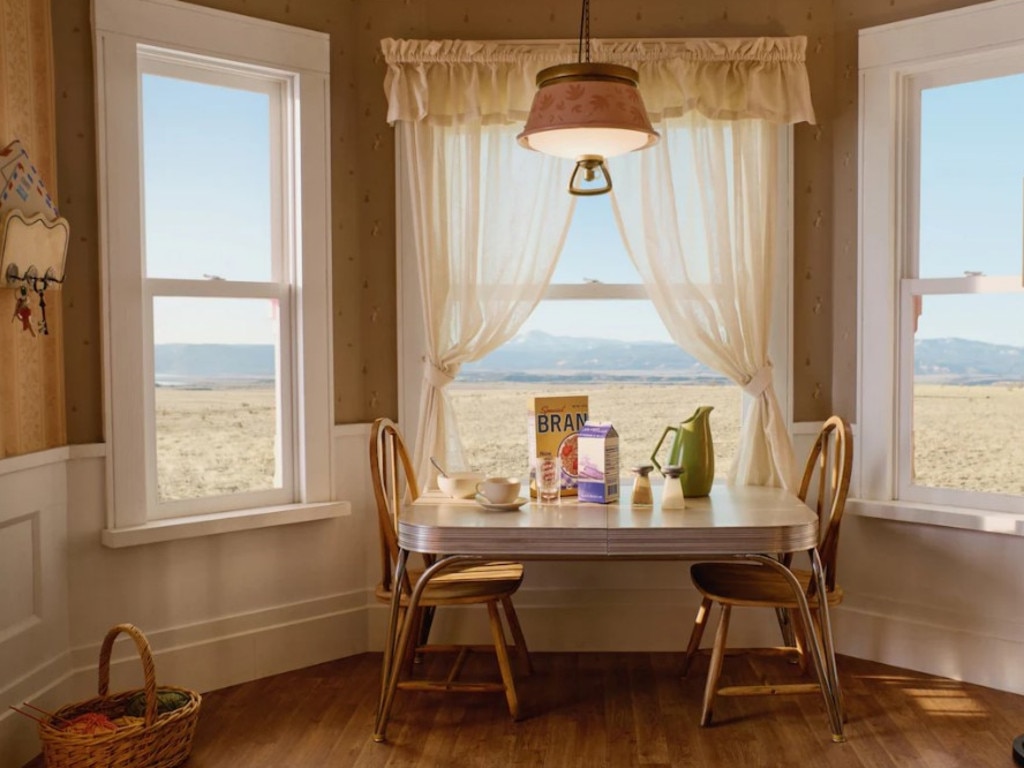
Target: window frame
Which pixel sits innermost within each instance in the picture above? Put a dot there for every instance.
(412, 344)
(897, 61)
(126, 34)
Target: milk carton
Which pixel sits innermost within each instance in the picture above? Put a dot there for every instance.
(598, 446)
(553, 423)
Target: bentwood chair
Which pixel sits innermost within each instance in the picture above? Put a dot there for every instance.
(488, 583)
(731, 584)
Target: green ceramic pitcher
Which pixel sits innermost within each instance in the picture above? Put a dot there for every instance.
(691, 449)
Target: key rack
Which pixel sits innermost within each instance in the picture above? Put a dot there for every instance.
(33, 250)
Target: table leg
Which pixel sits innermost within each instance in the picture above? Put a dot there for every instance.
(819, 646)
(827, 638)
(390, 638)
(389, 683)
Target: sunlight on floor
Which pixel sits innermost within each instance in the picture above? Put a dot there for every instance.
(936, 697)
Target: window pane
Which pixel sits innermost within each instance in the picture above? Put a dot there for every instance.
(492, 419)
(615, 352)
(218, 404)
(594, 250)
(972, 166)
(624, 320)
(207, 181)
(968, 399)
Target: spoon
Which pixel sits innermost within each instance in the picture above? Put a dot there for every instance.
(438, 467)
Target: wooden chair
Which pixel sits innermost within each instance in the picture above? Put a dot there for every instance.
(487, 583)
(751, 584)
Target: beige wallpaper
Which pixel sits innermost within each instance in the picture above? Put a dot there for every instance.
(31, 366)
(363, 169)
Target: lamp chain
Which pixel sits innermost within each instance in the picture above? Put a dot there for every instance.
(584, 33)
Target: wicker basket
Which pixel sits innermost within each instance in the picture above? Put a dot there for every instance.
(158, 741)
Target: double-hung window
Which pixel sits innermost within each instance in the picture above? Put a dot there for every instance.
(214, 208)
(941, 386)
(596, 333)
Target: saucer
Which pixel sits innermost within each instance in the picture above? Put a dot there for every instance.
(511, 506)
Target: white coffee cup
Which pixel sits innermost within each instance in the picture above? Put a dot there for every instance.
(499, 490)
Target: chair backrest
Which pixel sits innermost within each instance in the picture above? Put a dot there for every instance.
(828, 469)
(393, 475)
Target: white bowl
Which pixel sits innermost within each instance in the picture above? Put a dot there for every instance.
(460, 485)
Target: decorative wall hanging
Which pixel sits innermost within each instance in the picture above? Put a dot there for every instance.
(33, 237)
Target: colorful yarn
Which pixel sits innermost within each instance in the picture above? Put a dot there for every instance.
(89, 724)
(166, 701)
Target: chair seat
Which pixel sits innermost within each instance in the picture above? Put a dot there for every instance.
(465, 583)
(755, 585)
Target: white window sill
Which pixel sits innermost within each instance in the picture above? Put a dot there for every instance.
(933, 514)
(222, 522)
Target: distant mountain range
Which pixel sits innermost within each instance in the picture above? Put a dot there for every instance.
(539, 356)
(959, 361)
(191, 364)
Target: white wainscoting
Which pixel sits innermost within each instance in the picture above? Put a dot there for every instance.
(225, 609)
(34, 634)
(217, 610)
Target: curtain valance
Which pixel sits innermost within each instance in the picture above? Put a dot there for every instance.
(449, 81)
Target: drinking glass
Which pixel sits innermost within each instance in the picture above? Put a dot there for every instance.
(549, 479)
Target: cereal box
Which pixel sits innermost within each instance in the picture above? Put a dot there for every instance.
(598, 448)
(554, 423)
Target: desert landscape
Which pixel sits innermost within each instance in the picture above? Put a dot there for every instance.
(211, 442)
(215, 441)
(966, 437)
(494, 425)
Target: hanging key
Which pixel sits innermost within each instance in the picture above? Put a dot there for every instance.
(43, 329)
(23, 312)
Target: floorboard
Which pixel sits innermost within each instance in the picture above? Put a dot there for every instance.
(605, 709)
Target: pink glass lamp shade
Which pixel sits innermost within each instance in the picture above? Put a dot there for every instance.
(588, 112)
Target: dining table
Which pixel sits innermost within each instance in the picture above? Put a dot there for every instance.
(751, 523)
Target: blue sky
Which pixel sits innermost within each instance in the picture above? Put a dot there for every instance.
(972, 199)
(208, 202)
(207, 190)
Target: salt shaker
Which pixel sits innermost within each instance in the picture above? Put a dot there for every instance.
(642, 496)
(673, 497)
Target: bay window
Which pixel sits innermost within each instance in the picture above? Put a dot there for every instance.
(941, 384)
(214, 209)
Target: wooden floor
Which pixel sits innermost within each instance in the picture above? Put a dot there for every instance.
(605, 709)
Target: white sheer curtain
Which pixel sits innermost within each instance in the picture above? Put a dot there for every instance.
(696, 211)
(488, 221)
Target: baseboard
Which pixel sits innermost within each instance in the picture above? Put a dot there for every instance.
(202, 657)
(47, 686)
(946, 648)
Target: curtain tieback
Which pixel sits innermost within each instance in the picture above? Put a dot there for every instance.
(435, 376)
(759, 382)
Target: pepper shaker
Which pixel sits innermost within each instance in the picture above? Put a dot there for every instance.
(642, 495)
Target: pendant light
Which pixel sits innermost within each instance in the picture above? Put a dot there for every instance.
(587, 112)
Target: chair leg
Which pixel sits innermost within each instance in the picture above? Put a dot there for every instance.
(699, 624)
(517, 634)
(501, 649)
(799, 640)
(785, 620)
(715, 668)
(415, 618)
(427, 621)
